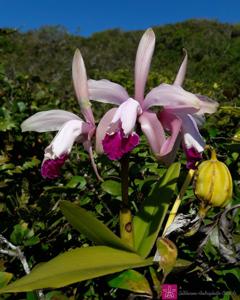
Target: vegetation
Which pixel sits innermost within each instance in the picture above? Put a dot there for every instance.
(35, 75)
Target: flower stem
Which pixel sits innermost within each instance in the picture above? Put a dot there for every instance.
(178, 200)
(125, 216)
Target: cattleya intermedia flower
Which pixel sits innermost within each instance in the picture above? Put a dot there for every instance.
(188, 117)
(181, 111)
(71, 128)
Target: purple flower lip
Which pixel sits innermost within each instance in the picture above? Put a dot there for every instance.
(193, 156)
(51, 167)
(116, 145)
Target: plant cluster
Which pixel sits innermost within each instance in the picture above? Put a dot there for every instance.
(83, 204)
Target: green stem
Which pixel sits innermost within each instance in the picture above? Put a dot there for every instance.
(124, 177)
(126, 230)
(178, 200)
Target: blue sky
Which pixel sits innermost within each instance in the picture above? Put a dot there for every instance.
(86, 17)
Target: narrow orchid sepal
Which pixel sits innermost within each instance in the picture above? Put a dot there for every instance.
(143, 61)
(79, 76)
(182, 70)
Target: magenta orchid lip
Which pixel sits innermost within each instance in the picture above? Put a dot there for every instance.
(116, 145)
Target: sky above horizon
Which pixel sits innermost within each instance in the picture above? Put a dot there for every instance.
(87, 17)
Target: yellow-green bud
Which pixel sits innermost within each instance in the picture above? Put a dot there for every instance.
(213, 183)
(166, 255)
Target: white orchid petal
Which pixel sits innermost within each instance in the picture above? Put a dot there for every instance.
(191, 134)
(102, 129)
(170, 95)
(182, 70)
(66, 136)
(207, 105)
(127, 113)
(106, 91)
(172, 124)
(142, 64)
(51, 120)
(153, 130)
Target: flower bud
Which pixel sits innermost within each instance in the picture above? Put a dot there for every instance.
(166, 255)
(213, 183)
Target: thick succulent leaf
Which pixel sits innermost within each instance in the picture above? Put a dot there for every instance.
(77, 265)
(94, 229)
(131, 280)
(148, 221)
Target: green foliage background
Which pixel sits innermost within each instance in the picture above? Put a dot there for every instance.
(35, 75)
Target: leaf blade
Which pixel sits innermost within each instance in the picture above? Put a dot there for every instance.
(77, 265)
(148, 221)
(94, 229)
(131, 280)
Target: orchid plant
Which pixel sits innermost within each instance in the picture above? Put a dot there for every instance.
(117, 135)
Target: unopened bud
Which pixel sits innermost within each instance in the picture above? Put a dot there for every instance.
(166, 255)
(213, 183)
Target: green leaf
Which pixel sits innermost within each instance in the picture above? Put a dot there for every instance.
(148, 221)
(55, 295)
(31, 296)
(77, 182)
(5, 278)
(77, 265)
(131, 280)
(23, 235)
(155, 280)
(94, 229)
(112, 187)
(182, 264)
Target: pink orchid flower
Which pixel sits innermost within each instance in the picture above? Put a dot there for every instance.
(71, 128)
(115, 133)
(187, 115)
